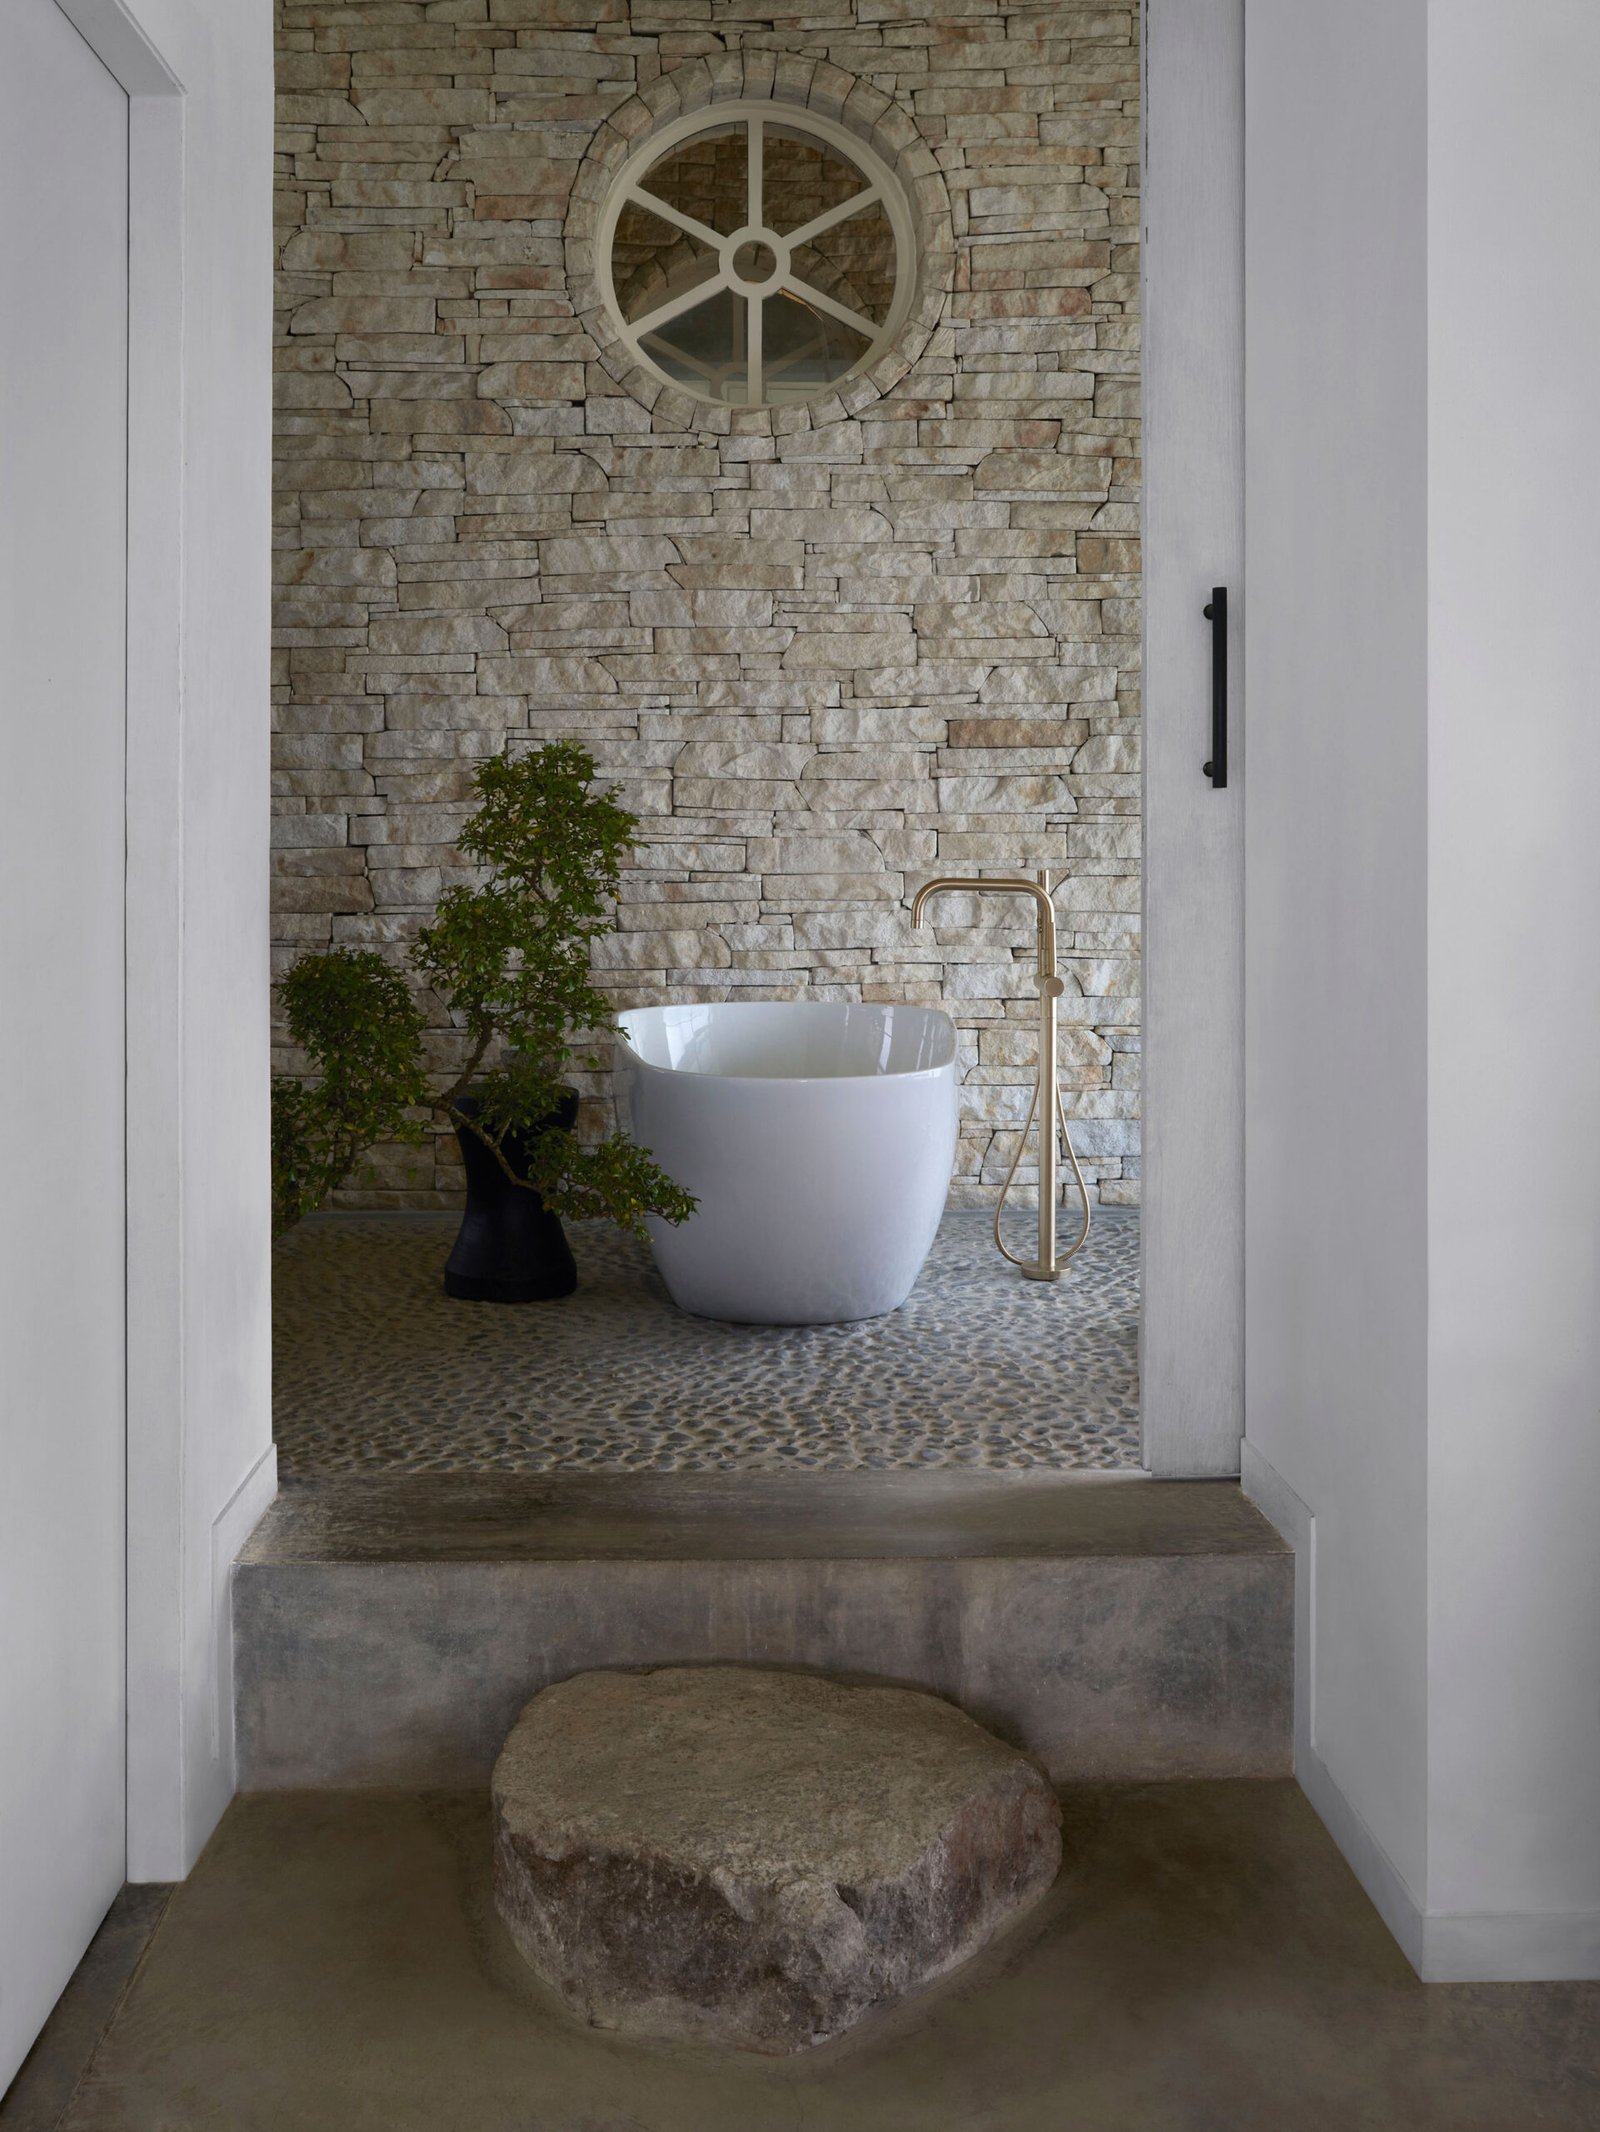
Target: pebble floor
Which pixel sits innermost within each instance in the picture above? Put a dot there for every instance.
(376, 1369)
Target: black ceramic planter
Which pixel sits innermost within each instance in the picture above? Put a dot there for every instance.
(511, 1248)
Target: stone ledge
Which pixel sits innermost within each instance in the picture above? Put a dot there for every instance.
(357, 1669)
(577, 1517)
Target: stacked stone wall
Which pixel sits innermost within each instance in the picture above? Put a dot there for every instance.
(822, 658)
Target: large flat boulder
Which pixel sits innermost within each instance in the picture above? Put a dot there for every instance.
(756, 1858)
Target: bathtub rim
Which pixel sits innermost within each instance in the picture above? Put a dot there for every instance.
(948, 1066)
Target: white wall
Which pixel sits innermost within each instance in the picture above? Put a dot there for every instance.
(200, 1462)
(1422, 1362)
(1336, 681)
(1191, 1348)
(224, 55)
(1514, 888)
(63, 1345)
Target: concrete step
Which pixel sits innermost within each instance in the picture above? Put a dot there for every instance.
(388, 1630)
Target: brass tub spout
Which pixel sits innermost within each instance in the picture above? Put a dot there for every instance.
(1047, 1266)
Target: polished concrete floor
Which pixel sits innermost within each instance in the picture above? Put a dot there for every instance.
(1205, 1964)
(39, 2096)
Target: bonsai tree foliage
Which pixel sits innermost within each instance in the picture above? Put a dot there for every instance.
(510, 958)
(357, 1019)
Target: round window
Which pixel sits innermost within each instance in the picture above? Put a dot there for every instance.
(756, 258)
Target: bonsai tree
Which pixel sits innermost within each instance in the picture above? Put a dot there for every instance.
(510, 959)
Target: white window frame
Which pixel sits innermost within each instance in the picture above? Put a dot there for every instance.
(883, 189)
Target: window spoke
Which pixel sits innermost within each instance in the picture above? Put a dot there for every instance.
(675, 215)
(685, 300)
(809, 294)
(755, 310)
(830, 215)
(755, 204)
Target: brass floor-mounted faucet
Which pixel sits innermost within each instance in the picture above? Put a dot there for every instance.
(1048, 1265)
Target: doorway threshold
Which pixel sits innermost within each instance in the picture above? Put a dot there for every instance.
(387, 1631)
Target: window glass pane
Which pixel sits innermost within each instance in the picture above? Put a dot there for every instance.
(853, 263)
(704, 348)
(801, 177)
(803, 349)
(651, 260)
(706, 178)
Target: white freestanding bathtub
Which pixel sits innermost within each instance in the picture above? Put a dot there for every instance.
(818, 1139)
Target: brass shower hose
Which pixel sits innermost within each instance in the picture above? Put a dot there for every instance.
(1072, 1157)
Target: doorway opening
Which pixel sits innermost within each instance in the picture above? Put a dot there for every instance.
(824, 649)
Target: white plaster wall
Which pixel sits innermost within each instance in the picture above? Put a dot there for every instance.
(226, 54)
(1336, 681)
(1514, 889)
(200, 1454)
(1422, 1332)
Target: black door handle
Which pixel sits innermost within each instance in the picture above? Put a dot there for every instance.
(1217, 615)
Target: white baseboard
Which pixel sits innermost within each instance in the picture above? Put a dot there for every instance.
(1280, 1506)
(231, 1527)
(1508, 1947)
(1385, 1885)
(1443, 1948)
(185, 1802)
